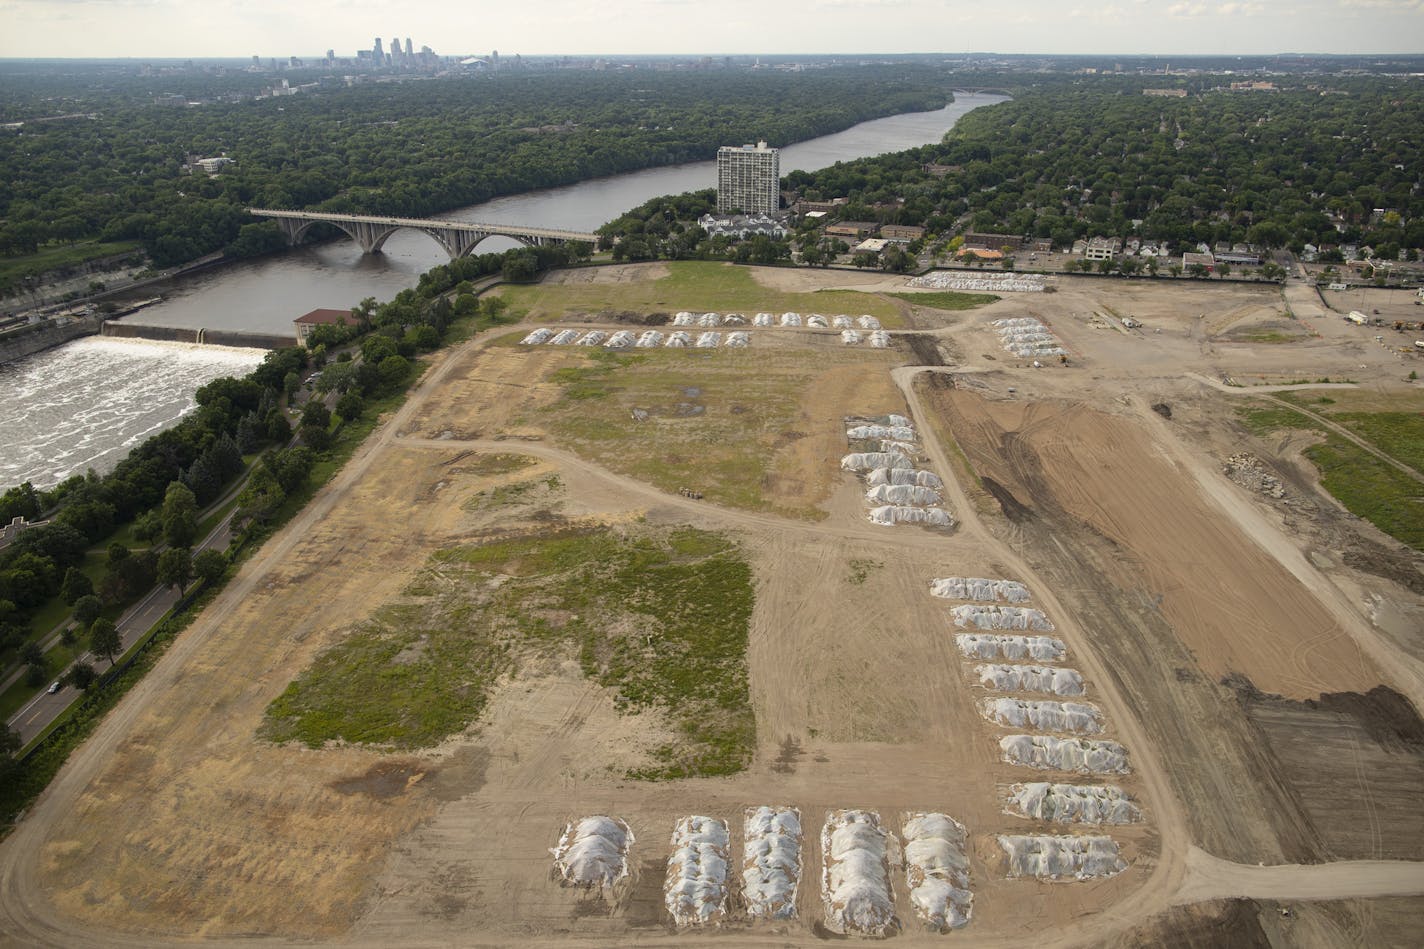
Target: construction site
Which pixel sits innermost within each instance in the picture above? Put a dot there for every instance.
(1038, 620)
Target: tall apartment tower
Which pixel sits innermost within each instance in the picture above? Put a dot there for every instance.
(379, 52)
(748, 179)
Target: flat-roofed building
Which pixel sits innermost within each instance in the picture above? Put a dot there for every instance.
(992, 241)
(748, 179)
(903, 233)
(320, 317)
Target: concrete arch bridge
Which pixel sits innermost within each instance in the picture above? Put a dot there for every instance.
(459, 238)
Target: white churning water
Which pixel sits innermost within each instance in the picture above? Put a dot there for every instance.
(86, 403)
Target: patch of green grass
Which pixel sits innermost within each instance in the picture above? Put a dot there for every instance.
(660, 617)
(1398, 434)
(1269, 336)
(491, 465)
(1262, 420)
(698, 286)
(948, 299)
(1371, 489)
(860, 570)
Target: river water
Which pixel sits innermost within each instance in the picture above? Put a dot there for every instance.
(86, 403)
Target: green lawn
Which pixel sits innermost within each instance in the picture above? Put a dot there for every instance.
(661, 617)
(698, 286)
(948, 299)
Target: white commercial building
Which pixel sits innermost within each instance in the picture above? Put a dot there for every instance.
(748, 179)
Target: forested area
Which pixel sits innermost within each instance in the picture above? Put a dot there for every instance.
(410, 149)
(1073, 157)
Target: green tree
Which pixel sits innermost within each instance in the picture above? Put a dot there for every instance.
(82, 676)
(104, 639)
(175, 567)
(76, 583)
(87, 609)
(209, 566)
(350, 406)
(180, 516)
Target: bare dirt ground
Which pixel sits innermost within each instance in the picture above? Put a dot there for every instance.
(1182, 597)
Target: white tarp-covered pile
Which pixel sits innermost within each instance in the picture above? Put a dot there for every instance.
(959, 280)
(695, 890)
(924, 479)
(850, 337)
(679, 340)
(902, 494)
(710, 319)
(1006, 678)
(565, 338)
(623, 339)
(763, 319)
(818, 321)
(842, 322)
(791, 319)
(649, 339)
(937, 868)
(892, 514)
(592, 338)
(1078, 718)
(1000, 617)
(1024, 336)
(684, 318)
(709, 340)
(870, 460)
(593, 852)
(1062, 858)
(868, 322)
(771, 861)
(979, 588)
(1072, 803)
(734, 319)
(904, 433)
(880, 340)
(855, 882)
(1080, 755)
(995, 646)
(739, 340)
(541, 335)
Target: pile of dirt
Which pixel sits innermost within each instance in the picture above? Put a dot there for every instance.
(1251, 473)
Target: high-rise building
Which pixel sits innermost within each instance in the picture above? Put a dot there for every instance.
(748, 179)
(409, 49)
(379, 52)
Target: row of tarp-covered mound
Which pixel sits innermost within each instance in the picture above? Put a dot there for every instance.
(1005, 677)
(999, 646)
(937, 870)
(975, 616)
(994, 282)
(593, 852)
(979, 589)
(1079, 755)
(771, 861)
(1078, 718)
(627, 339)
(695, 890)
(1072, 803)
(855, 876)
(1060, 858)
(897, 490)
(1027, 337)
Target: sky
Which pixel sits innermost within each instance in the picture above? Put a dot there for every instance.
(281, 28)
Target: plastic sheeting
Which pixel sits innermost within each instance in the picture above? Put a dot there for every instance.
(991, 646)
(880, 340)
(953, 280)
(709, 340)
(679, 340)
(1000, 617)
(622, 339)
(684, 319)
(1072, 803)
(892, 514)
(1006, 678)
(593, 852)
(842, 322)
(902, 494)
(850, 337)
(763, 319)
(1076, 717)
(564, 338)
(710, 319)
(1082, 755)
(791, 319)
(1062, 858)
(937, 869)
(592, 338)
(868, 461)
(979, 588)
(771, 861)
(738, 340)
(541, 335)
(734, 319)
(855, 881)
(868, 322)
(649, 339)
(903, 433)
(924, 479)
(817, 320)
(695, 890)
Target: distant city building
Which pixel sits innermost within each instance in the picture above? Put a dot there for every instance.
(748, 179)
(409, 49)
(743, 226)
(214, 165)
(1102, 248)
(992, 241)
(379, 52)
(901, 233)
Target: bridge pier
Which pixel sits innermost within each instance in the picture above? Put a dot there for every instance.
(456, 243)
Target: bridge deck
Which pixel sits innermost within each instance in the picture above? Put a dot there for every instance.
(472, 227)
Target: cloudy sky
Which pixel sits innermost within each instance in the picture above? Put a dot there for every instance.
(181, 28)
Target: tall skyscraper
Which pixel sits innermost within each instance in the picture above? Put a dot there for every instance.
(409, 49)
(748, 179)
(379, 52)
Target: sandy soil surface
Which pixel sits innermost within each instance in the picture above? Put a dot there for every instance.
(1182, 598)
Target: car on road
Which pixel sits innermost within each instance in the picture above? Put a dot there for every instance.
(53, 687)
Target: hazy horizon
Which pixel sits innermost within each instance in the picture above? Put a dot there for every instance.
(138, 29)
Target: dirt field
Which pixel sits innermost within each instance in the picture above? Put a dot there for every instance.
(1264, 683)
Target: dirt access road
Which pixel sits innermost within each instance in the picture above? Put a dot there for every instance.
(173, 822)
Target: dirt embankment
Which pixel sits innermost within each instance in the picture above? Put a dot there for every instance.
(1176, 604)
